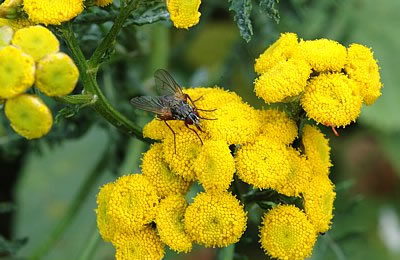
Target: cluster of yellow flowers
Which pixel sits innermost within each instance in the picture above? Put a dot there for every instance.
(184, 13)
(330, 81)
(50, 11)
(31, 56)
(261, 155)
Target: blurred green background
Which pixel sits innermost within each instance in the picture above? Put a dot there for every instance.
(40, 179)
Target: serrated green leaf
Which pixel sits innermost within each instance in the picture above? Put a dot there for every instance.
(11, 247)
(242, 9)
(67, 112)
(269, 7)
(148, 13)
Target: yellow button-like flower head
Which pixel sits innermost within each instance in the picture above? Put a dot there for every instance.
(157, 171)
(287, 234)
(215, 219)
(322, 54)
(184, 13)
(52, 12)
(170, 224)
(363, 68)
(277, 126)
(332, 99)
(56, 74)
(144, 244)
(298, 179)
(6, 33)
(214, 167)
(105, 224)
(264, 163)
(281, 50)
(29, 116)
(182, 156)
(133, 202)
(103, 3)
(286, 79)
(317, 150)
(318, 202)
(36, 41)
(17, 72)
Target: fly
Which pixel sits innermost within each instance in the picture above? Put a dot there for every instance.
(172, 106)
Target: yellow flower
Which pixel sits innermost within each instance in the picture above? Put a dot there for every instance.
(52, 12)
(144, 244)
(286, 79)
(170, 224)
(317, 150)
(287, 234)
(281, 50)
(363, 68)
(103, 3)
(332, 99)
(16, 24)
(56, 74)
(207, 99)
(157, 171)
(298, 179)
(322, 54)
(17, 71)
(318, 202)
(188, 147)
(215, 219)
(36, 41)
(133, 202)
(158, 130)
(235, 123)
(184, 13)
(106, 227)
(6, 33)
(214, 167)
(264, 163)
(276, 125)
(29, 116)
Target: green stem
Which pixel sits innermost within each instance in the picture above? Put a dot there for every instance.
(88, 78)
(226, 253)
(109, 40)
(73, 209)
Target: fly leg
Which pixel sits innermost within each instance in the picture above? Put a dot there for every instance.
(170, 128)
(201, 141)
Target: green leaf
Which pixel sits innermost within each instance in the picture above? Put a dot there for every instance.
(67, 112)
(11, 247)
(148, 13)
(269, 7)
(242, 9)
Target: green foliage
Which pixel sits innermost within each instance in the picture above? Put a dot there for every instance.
(269, 7)
(242, 9)
(11, 247)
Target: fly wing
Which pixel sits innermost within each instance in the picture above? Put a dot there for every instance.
(157, 105)
(166, 83)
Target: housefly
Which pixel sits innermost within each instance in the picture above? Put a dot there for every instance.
(174, 105)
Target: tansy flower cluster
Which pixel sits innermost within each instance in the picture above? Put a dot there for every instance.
(30, 56)
(256, 144)
(48, 12)
(331, 81)
(264, 148)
